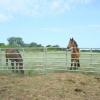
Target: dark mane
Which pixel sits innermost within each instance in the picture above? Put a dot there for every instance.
(75, 43)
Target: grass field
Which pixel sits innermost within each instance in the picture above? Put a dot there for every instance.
(51, 60)
(47, 78)
(53, 86)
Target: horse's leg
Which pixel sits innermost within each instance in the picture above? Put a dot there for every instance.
(78, 64)
(6, 61)
(12, 64)
(21, 70)
(21, 67)
(71, 64)
(17, 66)
(75, 63)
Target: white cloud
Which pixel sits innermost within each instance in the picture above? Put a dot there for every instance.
(39, 7)
(4, 18)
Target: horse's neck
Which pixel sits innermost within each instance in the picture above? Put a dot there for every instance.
(75, 49)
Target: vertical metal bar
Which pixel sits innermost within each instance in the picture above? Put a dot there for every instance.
(45, 59)
(91, 57)
(66, 59)
(23, 52)
(1, 60)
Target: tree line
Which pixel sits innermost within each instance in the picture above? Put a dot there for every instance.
(18, 42)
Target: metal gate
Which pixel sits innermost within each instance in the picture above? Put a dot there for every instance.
(54, 59)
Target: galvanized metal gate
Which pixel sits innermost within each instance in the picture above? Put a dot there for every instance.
(54, 59)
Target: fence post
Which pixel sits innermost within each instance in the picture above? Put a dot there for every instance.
(91, 60)
(66, 58)
(45, 59)
(0, 59)
(23, 52)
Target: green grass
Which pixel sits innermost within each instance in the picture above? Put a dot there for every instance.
(38, 61)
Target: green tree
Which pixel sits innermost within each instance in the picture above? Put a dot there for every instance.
(57, 46)
(15, 41)
(49, 46)
(2, 44)
(33, 44)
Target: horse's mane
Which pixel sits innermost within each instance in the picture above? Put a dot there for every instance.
(75, 42)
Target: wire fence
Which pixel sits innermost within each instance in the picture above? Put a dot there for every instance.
(46, 59)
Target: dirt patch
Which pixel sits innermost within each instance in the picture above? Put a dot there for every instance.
(56, 86)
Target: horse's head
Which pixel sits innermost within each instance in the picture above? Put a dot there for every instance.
(72, 44)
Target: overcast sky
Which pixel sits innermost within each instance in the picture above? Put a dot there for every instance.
(51, 21)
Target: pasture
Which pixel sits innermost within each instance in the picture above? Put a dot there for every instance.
(48, 77)
(44, 60)
(52, 86)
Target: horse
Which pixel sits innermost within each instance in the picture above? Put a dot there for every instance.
(75, 54)
(15, 57)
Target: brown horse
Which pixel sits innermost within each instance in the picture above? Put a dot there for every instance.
(16, 59)
(75, 54)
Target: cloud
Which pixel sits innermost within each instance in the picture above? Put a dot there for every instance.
(39, 7)
(5, 18)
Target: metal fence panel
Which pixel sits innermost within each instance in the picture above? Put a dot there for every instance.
(46, 59)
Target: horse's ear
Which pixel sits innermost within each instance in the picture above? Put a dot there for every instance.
(72, 39)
